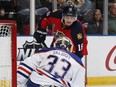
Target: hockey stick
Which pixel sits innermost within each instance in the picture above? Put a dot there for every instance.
(44, 44)
(86, 71)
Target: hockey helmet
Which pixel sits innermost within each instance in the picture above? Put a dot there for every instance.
(64, 42)
(70, 10)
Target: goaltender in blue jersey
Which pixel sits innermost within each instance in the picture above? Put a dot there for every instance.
(52, 67)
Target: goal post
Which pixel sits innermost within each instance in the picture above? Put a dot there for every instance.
(8, 54)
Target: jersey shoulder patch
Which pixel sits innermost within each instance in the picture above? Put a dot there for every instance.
(55, 10)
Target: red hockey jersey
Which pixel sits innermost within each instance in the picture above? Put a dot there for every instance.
(75, 32)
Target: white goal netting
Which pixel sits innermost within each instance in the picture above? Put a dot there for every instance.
(5, 30)
(6, 55)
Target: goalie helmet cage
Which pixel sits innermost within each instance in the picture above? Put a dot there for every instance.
(8, 58)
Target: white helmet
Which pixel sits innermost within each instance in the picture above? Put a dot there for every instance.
(64, 42)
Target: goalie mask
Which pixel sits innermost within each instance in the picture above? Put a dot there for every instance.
(64, 43)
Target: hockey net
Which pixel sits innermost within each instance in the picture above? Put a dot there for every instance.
(8, 53)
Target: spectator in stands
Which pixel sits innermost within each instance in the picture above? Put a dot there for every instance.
(85, 10)
(46, 3)
(95, 26)
(112, 18)
(25, 4)
(39, 13)
(2, 13)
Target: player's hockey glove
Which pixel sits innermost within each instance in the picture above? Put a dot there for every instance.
(40, 35)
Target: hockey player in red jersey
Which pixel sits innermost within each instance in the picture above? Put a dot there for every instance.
(65, 21)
